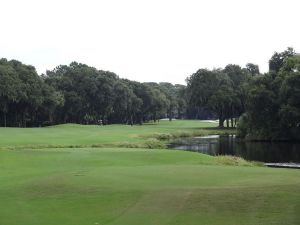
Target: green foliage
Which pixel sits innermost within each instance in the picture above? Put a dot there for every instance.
(78, 93)
(163, 136)
(221, 91)
(273, 109)
(243, 126)
(154, 144)
(235, 161)
(252, 69)
(278, 59)
(24, 97)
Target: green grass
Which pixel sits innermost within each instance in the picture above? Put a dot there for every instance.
(74, 135)
(133, 186)
(137, 186)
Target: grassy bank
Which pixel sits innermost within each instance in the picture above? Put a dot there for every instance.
(152, 135)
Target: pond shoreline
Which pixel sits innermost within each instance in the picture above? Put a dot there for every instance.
(283, 165)
(267, 152)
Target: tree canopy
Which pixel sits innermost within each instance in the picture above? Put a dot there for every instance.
(267, 104)
(273, 109)
(78, 93)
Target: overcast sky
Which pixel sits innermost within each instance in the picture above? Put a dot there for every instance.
(155, 40)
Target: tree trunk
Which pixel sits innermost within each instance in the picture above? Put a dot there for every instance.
(24, 120)
(170, 115)
(221, 122)
(227, 123)
(232, 125)
(50, 117)
(131, 120)
(154, 117)
(4, 119)
(16, 119)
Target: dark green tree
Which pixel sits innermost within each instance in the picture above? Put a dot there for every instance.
(277, 60)
(211, 90)
(253, 69)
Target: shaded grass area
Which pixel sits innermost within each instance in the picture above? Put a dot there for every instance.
(76, 136)
(141, 186)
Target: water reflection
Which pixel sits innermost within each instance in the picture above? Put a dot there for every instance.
(230, 145)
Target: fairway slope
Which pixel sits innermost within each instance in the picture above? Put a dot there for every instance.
(139, 186)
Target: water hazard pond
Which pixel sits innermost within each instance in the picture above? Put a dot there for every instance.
(268, 152)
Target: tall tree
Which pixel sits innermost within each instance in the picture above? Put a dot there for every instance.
(277, 60)
(253, 69)
(207, 89)
(9, 86)
(273, 109)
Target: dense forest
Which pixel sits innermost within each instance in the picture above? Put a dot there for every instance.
(82, 94)
(267, 104)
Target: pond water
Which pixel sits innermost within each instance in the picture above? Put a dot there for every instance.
(270, 152)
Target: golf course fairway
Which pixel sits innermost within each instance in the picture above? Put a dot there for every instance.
(48, 182)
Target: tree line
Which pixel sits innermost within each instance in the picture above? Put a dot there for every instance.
(264, 106)
(221, 91)
(267, 105)
(273, 101)
(78, 93)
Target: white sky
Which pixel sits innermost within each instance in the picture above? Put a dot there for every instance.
(155, 40)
